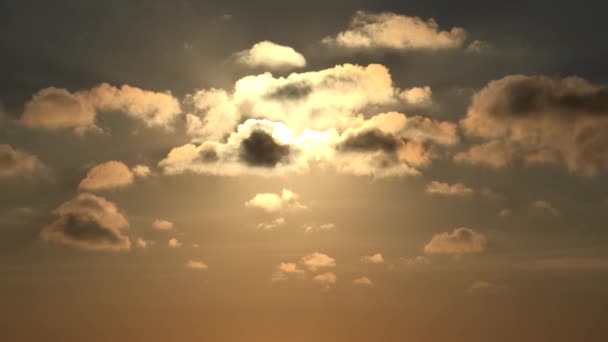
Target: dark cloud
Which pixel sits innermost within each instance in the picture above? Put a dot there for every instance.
(260, 149)
(14, 162)
(291, 91)
(371, 140)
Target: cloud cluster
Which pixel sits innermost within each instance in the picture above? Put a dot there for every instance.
(316, 260)
(312, 263)
(89, 222)
(56, 108)
(106, 176)
(15, 162)
(309, 228)
(273, 126)
(391, 31)
(272, 224)
(269, 202)
(460, 241)
(539, 120)
(445, 189)
(270, 55)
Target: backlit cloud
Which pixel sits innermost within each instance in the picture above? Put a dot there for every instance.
(286, 200)
(327, 280)
(458, 242)
(17, 163)
(272, 224)
(161, 224)
(106, 176)
(445, 189)
(396, 32)
(316, 260)
(365, 281)
(270, 55)
(174, 243)
(89, 222)
(372, 259)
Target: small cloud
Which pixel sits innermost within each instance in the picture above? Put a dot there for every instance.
(269, 202)
(419, 260)
(141, 171)
(458, 242)
(286, 269)
(372, 259)
(271, 225)
(310, 228)
(327, 280)
(196, 265)
(174, 243)
(417, 96)
(270, 55)
(162, 225)
(485, 287)
(315, 261)
(106, 176)
(141, 243)
(505, 212)
(490, 194)
(445, 189)
(18, 163)
(365, 281)
(545, 205)
(478, 47)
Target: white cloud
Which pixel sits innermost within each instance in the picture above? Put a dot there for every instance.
(106, 176)
(160, 224)
(417, 96)
(141, 171)
(269, 202)
(373, 259)
(16, 163)
(174, 243)
(196, 265)
(327, 279)
(545, 205)
(316, 260)
(458, 242)
(270, 55)
(365, 281)
(396, 32)
(445, 189)
(89, 222)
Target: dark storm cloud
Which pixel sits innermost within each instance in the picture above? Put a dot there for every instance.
(291, 91)
(371, 140)
(260, 149)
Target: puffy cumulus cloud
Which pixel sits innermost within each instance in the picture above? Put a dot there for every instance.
(539, 120)
(89, 222)
(285, 270)
(270, 55)
(269, 202)
(369, 31)
(272, 224)
(316, 260)
(365, 281)
(545, 205)
(141, 171)
(196, 265)
(310, 228)
(458, 242)
(486, 287)
(105, 176)
(445, 189)
(419, 260)
(174, 243)
(327, 280)
(272, 126)
(373, 259)
(417, 96)
(56, 108)
(15, 162)
(160, 224)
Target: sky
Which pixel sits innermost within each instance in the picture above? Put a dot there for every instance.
(327, 171)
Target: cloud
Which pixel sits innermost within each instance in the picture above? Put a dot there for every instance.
(174, 243)
(365, 281)
(391, 31)
(106, 176)
(541, 204)
(56, 108)
(196, 265)
(286, 269)
(89, 222)
(17, 163)
(269, 55)
(505, 212)
(417, 96)
(309, 228)
(316, 260)
(141, 171)
(372, 259)
(160, 224)
(327, 280)
(271, 225)
(458, 242)
(539, 120)
(485, 287)
(419, 260)
(478, 47)
(142, 243)
(445, 189)
(269, 202)
(275, 126)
